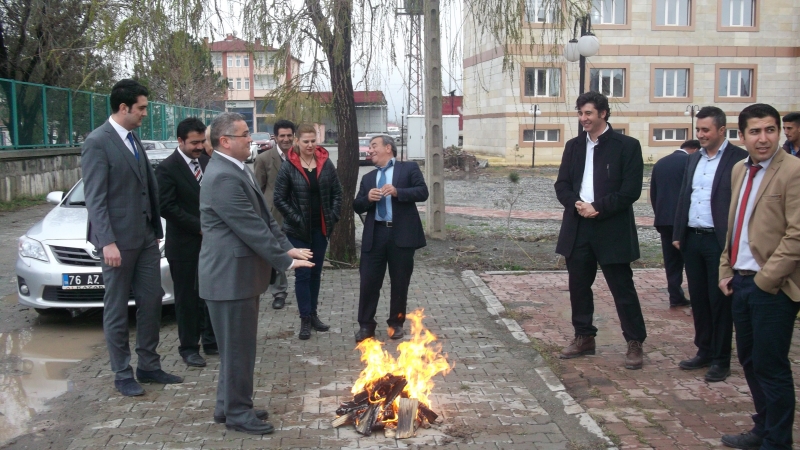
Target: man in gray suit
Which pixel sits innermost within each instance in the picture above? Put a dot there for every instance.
(125, 223)
(266, 167)
(241, 245)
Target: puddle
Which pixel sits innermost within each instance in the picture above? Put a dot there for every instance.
(33, 365)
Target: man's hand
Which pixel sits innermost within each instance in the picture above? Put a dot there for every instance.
(375, 195)
(302, 254)
(111, 255)
(676, 244)
(586, 210)
(725, 286)
(388, 190)
(299, 263)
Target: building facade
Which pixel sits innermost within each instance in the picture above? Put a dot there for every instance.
(658, 60)
(251, 78)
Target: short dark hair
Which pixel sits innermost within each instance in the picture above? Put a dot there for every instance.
(599, 101)
(188, 125)
(792, 117)
(758, 111)
(718, 115)
(283, 123)
(387, 140)
(692, 143)
(126, 91)
(224, 124)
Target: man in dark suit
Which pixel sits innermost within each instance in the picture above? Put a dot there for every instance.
(179, 178)
(791, 129)
(392, 233)
(699, 232)
(665, 183)
(599, 180)
(266, 167)
(241, 245)
(124, 222)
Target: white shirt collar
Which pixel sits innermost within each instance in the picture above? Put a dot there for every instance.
(763, 164)
(232, 159)
(185, 158)
(123, 133)
(589, 139)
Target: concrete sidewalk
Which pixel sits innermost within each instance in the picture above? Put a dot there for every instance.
(500, 395)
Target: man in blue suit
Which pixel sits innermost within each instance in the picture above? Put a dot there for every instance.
(392, 233)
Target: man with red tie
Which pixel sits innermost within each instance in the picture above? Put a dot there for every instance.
(759, 266)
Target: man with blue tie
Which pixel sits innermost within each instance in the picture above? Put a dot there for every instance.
(392, 233)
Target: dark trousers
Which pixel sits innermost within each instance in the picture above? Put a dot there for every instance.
(711, 310)
(400, 261)
(582, 268)
(764, 325)
(673, 265)
(307, 280)
(191, 312)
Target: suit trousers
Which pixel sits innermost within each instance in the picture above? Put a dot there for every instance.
(764, 325)
(307, 280)
(582, 269)
(673, 265)
(191, 312)
(279, 287)
(236, 326)
(140, 274)
(711, 310)
(372, 269)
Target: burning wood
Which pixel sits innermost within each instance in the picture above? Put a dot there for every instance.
(392, 394)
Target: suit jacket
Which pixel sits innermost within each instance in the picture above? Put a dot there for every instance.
(411, 188)
(665, 186)
(179, 195)
(720, 194)
(618, 172)
(121, 193)
(241, 240)
(266, 167)
(774, 226)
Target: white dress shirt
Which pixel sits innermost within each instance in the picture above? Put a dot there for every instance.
(123, 134)
(189, 161)
(587, 184)
(702, 183)
(745, 260)
(389, 175)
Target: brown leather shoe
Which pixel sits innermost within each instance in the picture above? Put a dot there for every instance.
(581, 345)
(633, 359)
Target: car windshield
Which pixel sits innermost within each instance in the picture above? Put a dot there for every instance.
(261, 136)
(364, 142)
(76, 197)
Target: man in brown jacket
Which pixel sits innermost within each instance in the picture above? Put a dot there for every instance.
(759, 266)
(266, 169)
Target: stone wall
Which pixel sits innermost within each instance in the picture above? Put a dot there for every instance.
(28, 173)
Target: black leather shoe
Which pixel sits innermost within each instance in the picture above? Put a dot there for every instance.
(746, 440)
(129, 387)
(364, 333)
(252, 428)
(698, 362)
(717, 373)
(679, 303)
(260, 414)
(194, 360)
(157, 376)
(305, 328)
(278, 302)
(317, 324)
(211, 351)
(396, 332)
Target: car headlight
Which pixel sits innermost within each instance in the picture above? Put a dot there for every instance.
(31, 248)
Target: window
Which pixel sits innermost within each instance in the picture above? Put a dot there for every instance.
(669, 134)
(672, 83)
(230, 84)
(673, 13)
(247, 60)
(218, 59)
(609, 82)
(238, 84)
(738, 13)
(247, 84)
(238, 60)
(542, 82)
(265, 82)
(608, 12)
(735, 82)
(230, 60)
(542, 11)
(541, 135)
(732, 133)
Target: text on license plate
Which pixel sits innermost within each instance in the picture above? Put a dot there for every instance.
(82, 281)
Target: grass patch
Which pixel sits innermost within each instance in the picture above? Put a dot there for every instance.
(548, 354)
(22, 203)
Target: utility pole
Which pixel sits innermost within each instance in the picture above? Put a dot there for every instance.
(434, 154)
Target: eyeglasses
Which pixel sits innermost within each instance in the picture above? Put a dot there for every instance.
(245, 135)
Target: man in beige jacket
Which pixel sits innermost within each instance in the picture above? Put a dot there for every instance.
(759, 266)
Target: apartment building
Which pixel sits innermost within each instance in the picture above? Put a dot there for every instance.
(658, 59)
(251, 78)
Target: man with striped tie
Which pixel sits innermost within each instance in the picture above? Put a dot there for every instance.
(179, 179)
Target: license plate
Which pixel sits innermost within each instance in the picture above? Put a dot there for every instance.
(82, 281)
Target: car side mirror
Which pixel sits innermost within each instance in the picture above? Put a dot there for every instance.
(55, 197)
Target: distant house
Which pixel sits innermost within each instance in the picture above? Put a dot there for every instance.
(371, 113)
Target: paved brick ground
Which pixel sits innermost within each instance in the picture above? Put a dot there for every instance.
(491, 400)
(659, 406)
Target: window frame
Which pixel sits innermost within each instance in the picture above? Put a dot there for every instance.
(667, 126)
(557, 18)
(654, 26)
(753, 83)
(625, 98)
(751, 28)
(246, 83)
(689, 83)
(238, 60)
(541, 127)
(734, 130)
(217, 59)
(230, 60)
(238, 84)
(231, 84)
(615, 26)
(547, 99)
(246, 60)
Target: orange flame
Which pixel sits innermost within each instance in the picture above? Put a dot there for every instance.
(419, 361)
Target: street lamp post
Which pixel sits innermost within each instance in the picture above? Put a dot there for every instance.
(691, 110)
(580, 49)
(535, 111)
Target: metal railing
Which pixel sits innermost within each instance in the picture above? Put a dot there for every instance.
(40, 116)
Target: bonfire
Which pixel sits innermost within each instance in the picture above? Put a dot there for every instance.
(393, 394)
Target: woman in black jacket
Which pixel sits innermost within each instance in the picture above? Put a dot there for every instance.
(308, 194)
